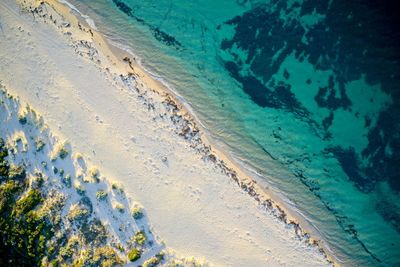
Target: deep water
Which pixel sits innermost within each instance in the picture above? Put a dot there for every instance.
(304, 93)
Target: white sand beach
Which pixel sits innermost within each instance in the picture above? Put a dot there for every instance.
(128, 125)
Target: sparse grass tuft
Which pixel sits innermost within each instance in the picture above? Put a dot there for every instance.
(63, 153)
(44, 164)
(38, 179)
(120, 247)
(78, 212)
(67, 252)
(101, 195)
(67, 180)
(120, 207)
(139, 238)
(117, 187)
(79, 188)
(152, 262)
(78, 156)
(22, 119)
(59, 151)
(106, 256)
(39, 145)
(94, 173)
(137, 212)
(16, 173)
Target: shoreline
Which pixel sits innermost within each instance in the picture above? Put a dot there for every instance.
(128, 68)
(245, 181)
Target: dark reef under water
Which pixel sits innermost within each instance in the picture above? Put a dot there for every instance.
(355, 38)
(157, 33)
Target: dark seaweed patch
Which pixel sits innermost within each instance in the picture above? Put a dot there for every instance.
(286, 74)
(349, 161)
(383, 150)
(327, 122)
(123, 7)
(390, 213)
(165, 38)
(277, 96)
(158, 34)
(326, 96)
(355, 39)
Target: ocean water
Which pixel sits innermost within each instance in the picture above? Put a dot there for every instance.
(304, 94)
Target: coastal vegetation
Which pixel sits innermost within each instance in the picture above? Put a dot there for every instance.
(44, 220)
(23, 229)
(137, 212)
(119, 207)
(94, 174)
(39, 145)
(134, 254)
(32, 230)
(101, 195)
(59, 151)
(48, 215)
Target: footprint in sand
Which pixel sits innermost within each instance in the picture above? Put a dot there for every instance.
(98, 119)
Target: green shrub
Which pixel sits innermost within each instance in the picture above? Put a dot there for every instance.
(101, 195)
(117, 187)
(137, 213)
(28, 202)
(39, 145)
(78, 213)
(3, 150)
(44, 164)
(8, 192)
(23, 231)
(67, 180)
(22, 119)
(66, 252)
(80, 189)
(38, 180)
(120, 207)
(16, 173)
(4, 166)
(94, 173)
(94, 232)
(63, 153)
(139, 238)
(120, 247)
(152, 262)
(54, 263)
(134, 254)
(59, 151)
(106, 256)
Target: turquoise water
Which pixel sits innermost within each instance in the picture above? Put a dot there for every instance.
(303, 94)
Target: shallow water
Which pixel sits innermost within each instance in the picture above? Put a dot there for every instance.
(306, 95)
